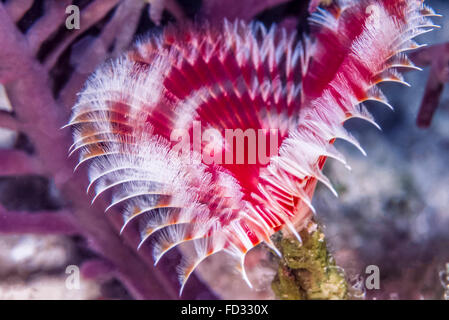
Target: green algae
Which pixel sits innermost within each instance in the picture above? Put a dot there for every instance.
(308, 270)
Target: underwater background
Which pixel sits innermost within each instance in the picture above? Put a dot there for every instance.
(393, 209)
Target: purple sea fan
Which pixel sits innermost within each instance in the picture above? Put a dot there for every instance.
(241, 77)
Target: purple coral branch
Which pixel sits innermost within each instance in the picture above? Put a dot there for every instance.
(15, 162)
(93, 13)
(8, 121)
(28, 88)
(44, 27)
(17, 8)
(60, 222)
(313, 5)
(97, 268)
(131, 13)
(157, 8)
(431, 99)
(437, 57)
(232, 9)
(93, 53)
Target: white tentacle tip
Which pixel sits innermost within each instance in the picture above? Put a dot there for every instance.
(141, 244)
(271, 245)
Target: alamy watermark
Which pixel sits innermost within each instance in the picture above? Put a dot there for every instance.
(372, 281)
(73, 280)
(230, 146)
(73, 19)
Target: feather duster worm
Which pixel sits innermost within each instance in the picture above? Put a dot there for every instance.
(242, 77)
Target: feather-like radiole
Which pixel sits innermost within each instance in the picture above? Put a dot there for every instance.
(236, 76)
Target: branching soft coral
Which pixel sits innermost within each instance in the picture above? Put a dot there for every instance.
(40, 115)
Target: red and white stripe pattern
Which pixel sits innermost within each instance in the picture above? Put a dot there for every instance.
(236, 76)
